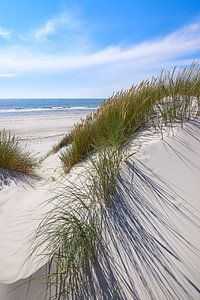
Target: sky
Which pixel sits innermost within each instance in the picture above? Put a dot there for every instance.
(92, 48)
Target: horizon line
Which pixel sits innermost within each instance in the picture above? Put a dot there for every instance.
(9, 98)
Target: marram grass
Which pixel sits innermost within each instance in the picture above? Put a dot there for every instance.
(90, 215)
(173, 96)
(13, 157)
(72, 230)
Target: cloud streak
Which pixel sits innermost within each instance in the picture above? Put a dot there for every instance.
(96, 73)
(7, 75)
(52, 26)
(64, 33)
(5, 33)
(177, 45)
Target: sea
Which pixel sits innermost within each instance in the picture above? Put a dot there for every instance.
(45, 106)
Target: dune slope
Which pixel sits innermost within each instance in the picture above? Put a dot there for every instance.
(153, 229)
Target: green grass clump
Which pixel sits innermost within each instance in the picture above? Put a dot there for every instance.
(82, 140)
(66, 140)
(73, 247)
(72, 230)
(104, 173)
(13, 157)
(157, 102)
(71, 233)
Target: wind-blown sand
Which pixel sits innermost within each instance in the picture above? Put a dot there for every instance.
(163, 175)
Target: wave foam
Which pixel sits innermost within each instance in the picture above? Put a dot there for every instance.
(51, 108)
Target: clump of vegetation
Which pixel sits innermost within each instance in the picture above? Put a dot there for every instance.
(72, 230)
(72, 244)
(13, 157)
(104, 172)
(81, 140)
(173, 96)
(72, 233)
(66, 140)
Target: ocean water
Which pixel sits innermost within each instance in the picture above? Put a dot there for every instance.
(24, 107)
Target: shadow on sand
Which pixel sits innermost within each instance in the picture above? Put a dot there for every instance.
(7, 177)
(144, 255)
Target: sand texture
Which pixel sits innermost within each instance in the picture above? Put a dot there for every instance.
(154, 227)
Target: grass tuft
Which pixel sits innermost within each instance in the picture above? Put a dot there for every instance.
(72, 230)
(104, 173)
(13, 157)
(172, 97)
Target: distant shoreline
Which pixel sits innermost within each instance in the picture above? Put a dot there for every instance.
(23, 107)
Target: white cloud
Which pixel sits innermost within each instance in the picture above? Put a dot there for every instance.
(7, 75)
(5, 33)
(99, 73)
(173, 46)
(45, 31)
(52, 26)
(64, 32)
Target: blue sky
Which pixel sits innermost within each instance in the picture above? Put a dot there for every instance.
(87, 48)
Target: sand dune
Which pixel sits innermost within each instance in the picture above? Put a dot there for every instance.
(162, 176)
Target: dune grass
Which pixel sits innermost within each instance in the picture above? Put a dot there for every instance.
(173, 96)
(66, 140)
(13, 157)
(72, 230)
(73, 245)
(104, 172)
(73, 234)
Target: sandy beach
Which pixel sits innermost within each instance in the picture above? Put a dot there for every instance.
(40, 132)
(99, 150)
(173, 165)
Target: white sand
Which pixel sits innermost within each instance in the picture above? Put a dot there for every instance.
(40, 132)
(22, 197)
(164, 176)
(176, 160)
